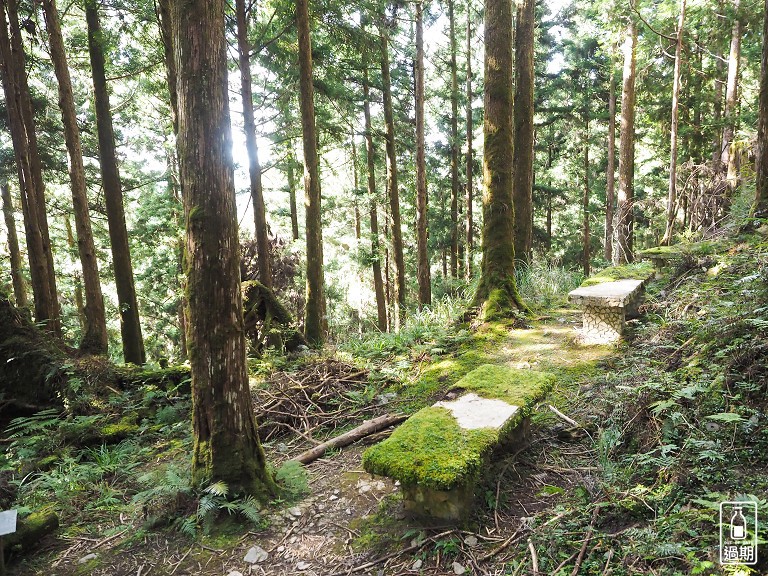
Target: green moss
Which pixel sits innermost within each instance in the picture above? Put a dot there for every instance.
(516, 387)
(636, 271)
(121, 430)
(432, 450)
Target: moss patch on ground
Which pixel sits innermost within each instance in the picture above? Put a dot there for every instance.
(432, 450)
(635, 271)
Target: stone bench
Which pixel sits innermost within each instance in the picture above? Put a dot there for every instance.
(661, 256)
(440, 453)
(608, 299)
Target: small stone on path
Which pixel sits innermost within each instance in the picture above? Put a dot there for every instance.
(255, 555)
(458, 568)
(417, 564)
(87, 558)
(470, 541)
(295, 511)
(235, 573)
(302, 565)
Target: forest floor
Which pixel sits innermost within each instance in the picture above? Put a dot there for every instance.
(671, 422)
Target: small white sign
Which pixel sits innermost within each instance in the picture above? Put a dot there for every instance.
(7, 522)
(738, 533)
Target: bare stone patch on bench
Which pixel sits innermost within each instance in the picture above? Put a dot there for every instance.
(607, 300)
(440, 453)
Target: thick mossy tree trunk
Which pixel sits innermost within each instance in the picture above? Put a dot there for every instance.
(249, 126)
(761, 186)
(226, 443)
(130, 327)
(422, 253)
(523, 163)
(497, 291)
(17, 276)
(29, 168)
(625, 220)
(393, 193)
(94, 340)
(314, 322)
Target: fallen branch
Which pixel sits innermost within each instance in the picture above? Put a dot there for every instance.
(516, 536)
(365, 429)
(580, 558)
(557, 412)
(534, 558)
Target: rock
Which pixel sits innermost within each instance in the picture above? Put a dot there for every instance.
(295, 511)
(333, 497)
(470, 541)
(458, 568)
(255, 555)
(282, 447)
(281, 548)
(417, 564)
(302, 566)
(87, 558)
(235, 573)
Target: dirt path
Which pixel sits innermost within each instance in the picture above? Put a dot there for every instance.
(350, 519)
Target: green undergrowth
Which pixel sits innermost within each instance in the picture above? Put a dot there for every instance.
(680, 424)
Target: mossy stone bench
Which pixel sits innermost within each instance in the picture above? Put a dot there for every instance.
(608, 298)
(662, 256)
(440, 453)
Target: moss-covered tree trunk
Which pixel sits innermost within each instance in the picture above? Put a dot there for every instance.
(497, 291)
(469, 242)
(422, 254)
(94, 340)
(393, 193)
(130, 327)
(29, 168)
(761, 185)
(314, 322)
(17, 276)
(254, 166)
(625, 220)
(523, 122)
(226, 444)
(378, 282)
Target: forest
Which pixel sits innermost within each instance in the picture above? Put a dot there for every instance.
(426, 287)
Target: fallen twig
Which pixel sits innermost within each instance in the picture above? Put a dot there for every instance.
(562, 416)
(580, 557)
(534, 558)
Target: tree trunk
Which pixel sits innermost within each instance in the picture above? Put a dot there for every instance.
(226, 443)
(761, 186)
(393, 193)
(29, 169)
(728, 157)
(292, 192)
(585, 255)
(314, 324)
(133, 343)
(469, 225)
(95, 339)
(522, 194)
(625, 218)
(610, 171)
(17, 276)
(422, 260)
(378, 283)
(254, 166)
(454, 146)
(166, 36)
(672, 190)
(497, 290)
(717, 112)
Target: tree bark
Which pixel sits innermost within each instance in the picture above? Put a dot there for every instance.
(672, 190)
(454, 146)
(610, 171)
(585, 255)
(29, 169)
(522, 194)
(166, 36)
(95, 338)
(291, 175)
(469, 224)
(728, 156)
(17, 276)
(314, 324)
(378, 282)
(130, 326)
(497, 291)
(393, 193)
(625, 208)
(422, 258)
(226, 443)
(761, 186)
(254, 166)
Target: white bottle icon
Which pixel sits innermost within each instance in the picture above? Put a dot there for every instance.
(738, 525)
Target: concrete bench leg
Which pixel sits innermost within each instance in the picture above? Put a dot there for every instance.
(602, 325)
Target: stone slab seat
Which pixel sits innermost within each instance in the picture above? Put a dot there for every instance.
(607, 300)
(440, 453)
